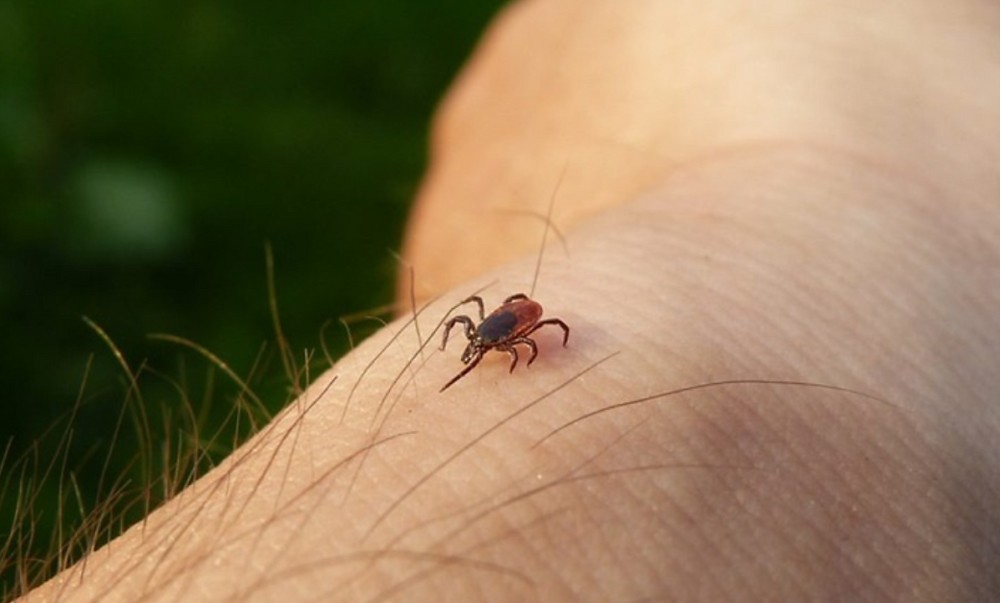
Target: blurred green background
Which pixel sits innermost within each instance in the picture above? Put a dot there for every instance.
(148, 152)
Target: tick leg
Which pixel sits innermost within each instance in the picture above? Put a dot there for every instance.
(479, 302)
(551, 321)
(465, 320)
(509, 348)
(528, 342)
(516, 296)
(472, 364)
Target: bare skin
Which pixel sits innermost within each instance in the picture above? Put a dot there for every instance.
(796, 192)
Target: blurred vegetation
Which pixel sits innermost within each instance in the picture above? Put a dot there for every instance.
(148, 153)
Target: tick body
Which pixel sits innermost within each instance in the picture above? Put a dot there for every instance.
(506, 327)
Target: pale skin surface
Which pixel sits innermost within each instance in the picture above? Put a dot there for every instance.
(796, 191)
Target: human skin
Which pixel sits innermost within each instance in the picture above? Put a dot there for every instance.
(797, 192)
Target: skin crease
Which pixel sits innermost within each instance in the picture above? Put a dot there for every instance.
(790, 191)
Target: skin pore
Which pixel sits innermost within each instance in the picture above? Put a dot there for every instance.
(798, 192)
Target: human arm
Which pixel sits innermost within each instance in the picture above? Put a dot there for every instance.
(783, 193)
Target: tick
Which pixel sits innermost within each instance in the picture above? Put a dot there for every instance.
(506, 327)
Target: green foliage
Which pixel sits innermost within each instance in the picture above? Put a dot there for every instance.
(148, 151)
